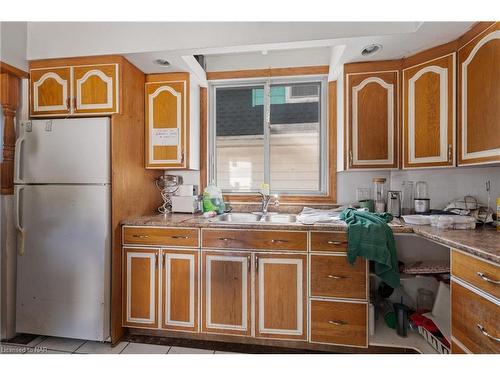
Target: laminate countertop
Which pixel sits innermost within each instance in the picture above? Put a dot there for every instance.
(484, 243)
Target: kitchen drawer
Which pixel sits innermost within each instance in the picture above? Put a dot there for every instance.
(254, 239)
(329, 241)
(341, 323)
(333, 276)
(469, 311)
(476, 272)
(185, 237)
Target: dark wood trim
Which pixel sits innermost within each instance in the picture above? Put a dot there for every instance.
(271, 72)
(9, 97)
(12, 70)
(372, 66)
(73, 61)
(475, 31)
(426, 56)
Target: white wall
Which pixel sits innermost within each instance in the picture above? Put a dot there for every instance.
(13, 42)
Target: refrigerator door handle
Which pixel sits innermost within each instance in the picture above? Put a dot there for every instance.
(20, 229)
(17, 159)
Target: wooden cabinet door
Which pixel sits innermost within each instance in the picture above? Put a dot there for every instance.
(226, 292)
(140, 287)
(479, 98)
(180, 290)
(167, 119)
(372, 119)
(50, 91)
(429, 113)
(95, 89)
(280, 296)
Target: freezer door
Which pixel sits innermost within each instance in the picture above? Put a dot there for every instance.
(63, 151)
(63, 275)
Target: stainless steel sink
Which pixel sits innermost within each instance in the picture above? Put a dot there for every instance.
(279, 218)
(247, 217)
(238, 217)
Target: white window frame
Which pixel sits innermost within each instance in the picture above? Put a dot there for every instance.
(267, 83)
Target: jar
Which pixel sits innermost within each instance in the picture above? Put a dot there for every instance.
(425, 300)
(379, 194)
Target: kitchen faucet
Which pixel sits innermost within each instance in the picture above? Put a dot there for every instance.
(266, 199)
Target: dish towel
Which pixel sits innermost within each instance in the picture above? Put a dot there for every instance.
(370, 237)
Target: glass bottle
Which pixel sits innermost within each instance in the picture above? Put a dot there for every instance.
(379, 194)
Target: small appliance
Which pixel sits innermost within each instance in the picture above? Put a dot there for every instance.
(394, 203)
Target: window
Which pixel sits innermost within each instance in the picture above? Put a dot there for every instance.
(270, 131)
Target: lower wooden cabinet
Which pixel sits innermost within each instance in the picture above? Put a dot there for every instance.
(226, 292)
(140, 289)
(180, 290)
(475, 319)
(280, 296)
(340, 323)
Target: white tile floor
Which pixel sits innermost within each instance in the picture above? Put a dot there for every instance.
(58, 345)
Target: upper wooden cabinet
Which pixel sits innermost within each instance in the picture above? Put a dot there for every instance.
(74, 89)
(50, 91)
(429, 112)
(371, 116)
(167, 121)
(95, 89)
(479, 96)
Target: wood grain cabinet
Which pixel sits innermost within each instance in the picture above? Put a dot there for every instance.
(180, 290)
(429, 113)
(372, 119)
(475, 304)
(95, 89)
(74, 90)
(140, 289)
(280, 296)
(50, 91)
(226, 292)
(479, 98)
(167, 120)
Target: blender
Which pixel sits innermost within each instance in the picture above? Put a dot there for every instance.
(422, 201)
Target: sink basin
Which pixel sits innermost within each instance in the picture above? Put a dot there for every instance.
(280, 218)
(238, 217)
(247, 217)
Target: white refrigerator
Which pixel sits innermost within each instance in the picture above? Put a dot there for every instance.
(62, 208)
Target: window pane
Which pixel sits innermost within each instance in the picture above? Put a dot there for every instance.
(240, 138)
(295, 139)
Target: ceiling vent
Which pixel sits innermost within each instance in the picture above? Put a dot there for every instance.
(371, 49)
(162, 62)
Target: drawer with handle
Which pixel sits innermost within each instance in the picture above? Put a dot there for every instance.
(341, 323)
(334, 276)
(329, 241)
(254, 239)
(475, 320)
(483, 275)
(184, 237)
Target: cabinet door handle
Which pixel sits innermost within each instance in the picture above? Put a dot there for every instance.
(249, 262)
(179, 237)
(485, 278)
(450, 153)
(350, 158)
(68, 100)
(335, 242)
(140, 236)
(338, 322)
(163, 256)
(279, 241)
(256, 263)
(336, 277)
(156, 260)
(484, 332)
(226, 239)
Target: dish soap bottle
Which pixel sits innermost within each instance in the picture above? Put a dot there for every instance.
(212, 200)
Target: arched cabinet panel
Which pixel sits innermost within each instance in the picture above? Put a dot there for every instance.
(429, 113)
(95, 88)
(479, 99)
(50, 91)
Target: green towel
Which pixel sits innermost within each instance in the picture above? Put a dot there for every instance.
(370, 237)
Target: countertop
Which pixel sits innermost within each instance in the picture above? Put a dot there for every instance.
(484, 243)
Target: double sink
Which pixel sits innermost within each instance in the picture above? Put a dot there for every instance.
(247, 217)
